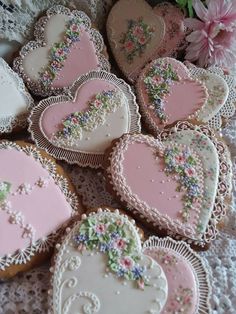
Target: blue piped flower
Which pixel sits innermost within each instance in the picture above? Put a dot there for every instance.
(81, 238)
(138, 272)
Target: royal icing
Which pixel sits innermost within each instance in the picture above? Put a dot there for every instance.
(174, 28)
(184, 169)
(167, 93)
(34, 203)
(67, 37)
(135, 35)
(135, 41)
(103, 109)
(188, 282)
(100, 268)
(218, 92)
(16, 102)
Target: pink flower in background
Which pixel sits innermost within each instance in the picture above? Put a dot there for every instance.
(213, 40)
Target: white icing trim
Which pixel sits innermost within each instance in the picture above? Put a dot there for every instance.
(44, 244)
(199, 269)
(8, 123)
(39, 34)
(83, 159)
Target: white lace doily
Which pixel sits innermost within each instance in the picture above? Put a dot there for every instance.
(17, 15)
(27, 293)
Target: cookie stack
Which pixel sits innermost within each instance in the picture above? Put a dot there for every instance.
(171, 173)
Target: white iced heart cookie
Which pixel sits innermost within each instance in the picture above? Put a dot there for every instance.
(80, 129)
(222, 94)
(65, 48)
(100, 268)
(16, 102)
(218, 92)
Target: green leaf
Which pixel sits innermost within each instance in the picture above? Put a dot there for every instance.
(114, 267)
(182, 3)
(5, 192)
(190, 8)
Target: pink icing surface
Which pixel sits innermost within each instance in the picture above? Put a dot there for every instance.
(45, 209)
(147, 179)
(81, 59)
(180, 274)
(174, 22)
(185, 99)
(53, 115)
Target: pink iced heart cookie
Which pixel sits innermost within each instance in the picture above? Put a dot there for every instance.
(135, 34)
(173, 184)
(188, 282)
(174, 28)
(167, 93)
(80, 128)
(35, 203)
(65, 48)
(100, 268)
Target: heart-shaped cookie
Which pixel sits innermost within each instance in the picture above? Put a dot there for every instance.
(217, 88)
(80, 129)
(135, 34)
(16, 102)
(65, 48)
(167, 93)
(173, 184)
(188, 282)
(174, 28)
(100, 268)
(35, 202)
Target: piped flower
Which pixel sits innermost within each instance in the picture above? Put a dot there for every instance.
(127, 262)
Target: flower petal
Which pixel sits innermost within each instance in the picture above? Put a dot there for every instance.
(200, 10)
(223, 12)
(194, 36)
(193, 24)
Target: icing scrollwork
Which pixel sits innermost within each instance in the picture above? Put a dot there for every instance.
(72, 264)
(93, 306)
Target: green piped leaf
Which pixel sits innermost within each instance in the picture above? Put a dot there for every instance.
(4, 190)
